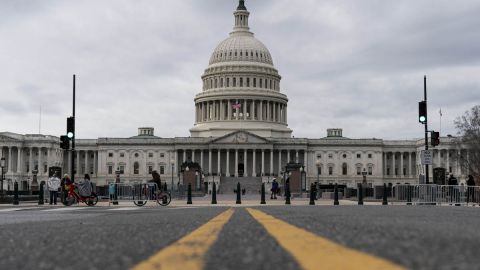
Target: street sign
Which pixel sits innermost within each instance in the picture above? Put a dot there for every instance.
(426, 156)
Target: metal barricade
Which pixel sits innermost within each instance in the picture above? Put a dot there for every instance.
(437, 194)
(139, 194)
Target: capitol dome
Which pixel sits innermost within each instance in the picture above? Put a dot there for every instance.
(241, 88)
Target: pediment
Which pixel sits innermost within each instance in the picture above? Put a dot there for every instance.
(240, 137)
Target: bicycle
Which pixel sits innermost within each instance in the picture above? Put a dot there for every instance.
(161, 196)
(73, 197)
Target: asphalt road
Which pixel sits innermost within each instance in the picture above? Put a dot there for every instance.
(416, 237)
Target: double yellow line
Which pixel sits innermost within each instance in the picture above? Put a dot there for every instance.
(309, 250)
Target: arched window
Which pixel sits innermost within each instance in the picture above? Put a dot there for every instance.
(228, 82)
(241, 82)
(248, 82)
(344, 169)
(136, 168)
(254, 82)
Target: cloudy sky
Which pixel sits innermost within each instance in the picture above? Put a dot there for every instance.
(357, 65)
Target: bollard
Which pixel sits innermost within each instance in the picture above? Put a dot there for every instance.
(384, 202)
(15, 193)
(40, 194)
(360, 194)
(335, 195)
(312, 195)
(165, 187)
(262, 198)
(409, 195)
(287, 192)
(214, 193)
(189, 194)
(239, 195)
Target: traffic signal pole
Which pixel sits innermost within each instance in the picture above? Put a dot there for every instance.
(72, 164)
(426, 126)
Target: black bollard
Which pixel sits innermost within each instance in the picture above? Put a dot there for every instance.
(40, 194)
(262, 197)
(15, 193)
(239, 195)
(335, 195)
(189, 194)
(384, 201)
(360, 194)
(165, 187)
(312, 195)
(214, 193)
(287, 192)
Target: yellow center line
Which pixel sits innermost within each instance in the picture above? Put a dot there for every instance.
(314, 252)
(188, 252)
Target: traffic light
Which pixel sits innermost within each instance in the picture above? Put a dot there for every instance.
(422, 112)
(64, 142)
(70, 127)
(435, 138)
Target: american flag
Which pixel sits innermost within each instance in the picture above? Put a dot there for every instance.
(236, 106)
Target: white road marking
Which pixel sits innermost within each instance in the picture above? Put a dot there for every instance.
(18, 209)
(66, 209)
(125, 208)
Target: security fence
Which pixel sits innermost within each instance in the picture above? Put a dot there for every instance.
(437, 194)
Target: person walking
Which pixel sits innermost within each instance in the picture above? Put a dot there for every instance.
(53, 185)
(64, 183)
(274, 189)
(470, 189)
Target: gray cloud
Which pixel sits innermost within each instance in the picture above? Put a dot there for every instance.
(350, 64)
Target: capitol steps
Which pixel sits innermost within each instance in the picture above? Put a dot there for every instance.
(251, 184)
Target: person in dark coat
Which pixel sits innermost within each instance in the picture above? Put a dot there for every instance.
(452, 181)
(274, 189)
(471, 189)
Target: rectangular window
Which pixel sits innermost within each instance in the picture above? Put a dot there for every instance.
(110, 169)
(241, 82)
(150, 155)
(254, 82)
(359, 170)
(370, 170)
(359, 155)
(122, 154)
(234, 82)
(150, 169)
(162, 169)
(45, 169)
(319, 156)
(330, 155)
(122, 169)
(369, 155)
(162, 155)
(330, 170)
(221, 82)
(388, 171)
(110, 154)
(404, 171)
(319, 170)
(248, 82)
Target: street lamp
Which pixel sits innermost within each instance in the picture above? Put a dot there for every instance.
(2, 164)
(303, 178)
(172, 162)
(364, 174)
(34, 180)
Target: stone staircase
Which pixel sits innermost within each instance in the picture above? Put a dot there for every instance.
(251, 185)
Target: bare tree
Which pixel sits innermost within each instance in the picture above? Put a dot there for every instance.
(468, 141)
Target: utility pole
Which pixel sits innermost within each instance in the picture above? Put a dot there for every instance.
(426, 126)
(72, 168)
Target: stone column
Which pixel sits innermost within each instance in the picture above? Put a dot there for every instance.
(448, 161)
(245, 162)
(222, 110)
(401, 164)
(274, 111)
(184, 156)
(393, 165)
(244, 109)
(201, 159)
(229, 117)
(288, 156)
(87, 168)
(260, 115)
(95, 162)
(268, 111)
(237, 112)
(40, 165)
(286, 119)
(30, 160)
(271, 161)
(279, 161)
(227, 169)
(252, 112)
(440, 158)
(236, 162)
(9, 160)
(78, 163)
(263, 162)
(219, 168)
(193, 155)
(19, 160)
(210, 161)
(254, 173)
(384, 163)
(410, 174)
(296, 156)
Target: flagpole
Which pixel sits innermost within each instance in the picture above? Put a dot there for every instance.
(441, 121)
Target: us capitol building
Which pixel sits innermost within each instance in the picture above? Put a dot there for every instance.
(240, 133)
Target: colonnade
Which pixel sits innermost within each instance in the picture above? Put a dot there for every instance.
(20, 160)
(241, 109)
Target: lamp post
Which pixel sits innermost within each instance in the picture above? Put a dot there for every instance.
(172, 162)
(303, 178)
(364, 174)
(35, 172)
(2, 164)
